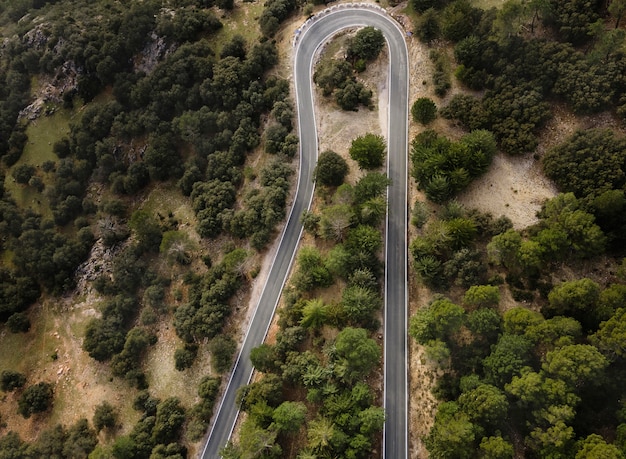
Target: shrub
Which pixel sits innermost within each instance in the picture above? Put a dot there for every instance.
(424, 110)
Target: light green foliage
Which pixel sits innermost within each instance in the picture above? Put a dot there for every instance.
(595, 447)
(611, 336)
(482, 296)
(314, 314)
(517, 320)
(289, 416)
(452, 435)
(439, 320)
(311, 270)
(575, 299)
(486, 405)
(577, 364)
(495, 448)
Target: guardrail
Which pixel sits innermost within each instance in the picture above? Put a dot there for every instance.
(324, 12)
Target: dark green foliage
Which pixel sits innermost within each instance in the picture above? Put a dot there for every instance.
(423, 110)
(507, 358)
(104, 416)
(368, 151)
(184, 357)
(337, 77)
(170, 417)
(23, 173)
(588, 163)
(331, 169)
(274, 13)
(11, 380)
(186, 24)
(428, 27)
(573, 18)
(332, 75)
(356, 353)
(204, 315)
(18, 323)
(35, 399)
(352, 94)
(222, 349)
(443, 168)
(458, 20)
(210, 199)
(366, 44)
(76, 442)
(16, 292)
(437, 321)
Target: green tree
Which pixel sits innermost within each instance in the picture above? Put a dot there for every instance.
(320, 434)
(23, 173)
(35, 399)
(314, 314)
(170, 417)
(439, 320)
(576, 364)
(595, 447)
(482, 296)
(452, 435)
(104, 416)
(617, 8)
(577, 299)
(590, 162)
(507, 358)
(368, 151)
(289, 416)
(366, 44)
(359, 304)
(495, 448)
(356, 353)
(424, 110)
(331, 169)
(222, 349)
(485, 405)
(11, 380)
(611, 336)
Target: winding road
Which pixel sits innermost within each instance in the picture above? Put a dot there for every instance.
(314, 33)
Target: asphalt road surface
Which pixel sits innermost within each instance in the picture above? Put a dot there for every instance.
(313, 34)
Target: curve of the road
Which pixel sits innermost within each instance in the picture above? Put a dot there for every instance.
(314, 34)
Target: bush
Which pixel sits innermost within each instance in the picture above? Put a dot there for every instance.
(368, 150)
(35, 399)
(18, 323)
(331, 169)
(222, 349)
(104, 417)
(11, 380)
(424, 110)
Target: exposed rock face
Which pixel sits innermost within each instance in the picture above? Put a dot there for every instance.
(152, 54)
(51, 89)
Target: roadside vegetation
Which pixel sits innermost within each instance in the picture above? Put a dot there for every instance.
(523, 326)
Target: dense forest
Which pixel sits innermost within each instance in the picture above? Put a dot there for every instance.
(542, 377)
(156, 98)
